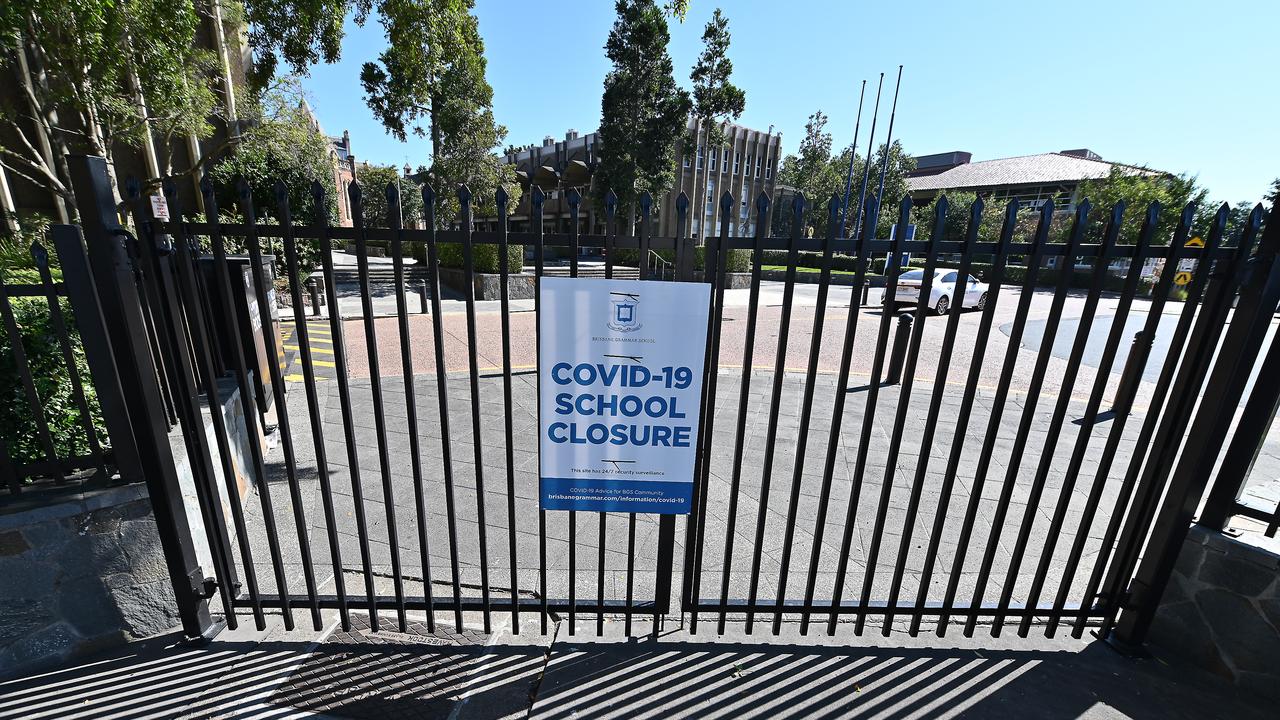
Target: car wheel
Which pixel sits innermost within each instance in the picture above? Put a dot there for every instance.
(943, 304)
(982, 302)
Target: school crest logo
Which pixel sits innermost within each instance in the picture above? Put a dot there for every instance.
(624, 312)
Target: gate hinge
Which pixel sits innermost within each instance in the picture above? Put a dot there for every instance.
(205, 587)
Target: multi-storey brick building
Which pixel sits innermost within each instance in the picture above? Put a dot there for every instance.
(745, 165)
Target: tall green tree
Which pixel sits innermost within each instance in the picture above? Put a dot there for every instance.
(1138, 188)
(97, 75)
(374, 179)
(643, 111)
(430, 81)
(715, 98)
(809, 170)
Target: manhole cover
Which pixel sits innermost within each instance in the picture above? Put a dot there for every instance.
(386, 674)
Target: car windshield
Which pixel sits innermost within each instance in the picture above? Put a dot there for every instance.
(912, 275)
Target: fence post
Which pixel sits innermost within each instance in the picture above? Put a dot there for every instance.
(106, 270)
(1228, 372)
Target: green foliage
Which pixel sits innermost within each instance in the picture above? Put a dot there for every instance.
(16, 262)
(485, 257)
(1138, 188)
(53, 385)
(738, 261)
(431, 81)
(810, 171)
(281, 145)
(374, 179)
(643, 111)
(91, 63)
(715, 98)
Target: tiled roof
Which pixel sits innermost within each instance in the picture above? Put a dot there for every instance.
(1042, 169)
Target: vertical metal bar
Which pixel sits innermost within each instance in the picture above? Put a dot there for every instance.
(707, 417)
(41, 257)
(193, 435)
(1050, 442)
(442, 392)
(1028, 409)
(873, 395)
(837, 419)
(151, 304)
(1114, 336)
(504, 269)
(1014, 347)
(24, 373)
(1251, 432)
(900, 418)
(536, 198)
(473, 338)
(154, 252)
(574, 199)
(270, 341)
(395, 220)
(806, 407)
(690, 595)
(744, 396)
(1172, 359)
(1133, 368)
(251, 417)
(775, 400)
(344, 393)
(1259, 296)
(935, 402)
(355, 191)
(966, 402)
(285, 216)
(611, 232)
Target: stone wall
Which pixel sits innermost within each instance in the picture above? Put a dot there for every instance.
(80, 575)
(1221, 610)
(488, 285)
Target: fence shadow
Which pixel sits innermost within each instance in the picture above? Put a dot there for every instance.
(731, 680)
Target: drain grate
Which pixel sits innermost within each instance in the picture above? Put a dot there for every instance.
(362, 674)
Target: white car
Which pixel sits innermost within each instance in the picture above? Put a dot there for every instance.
(942, 291)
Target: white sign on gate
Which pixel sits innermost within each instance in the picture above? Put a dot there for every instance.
(620, 366)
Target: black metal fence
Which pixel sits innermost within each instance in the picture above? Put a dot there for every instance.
(1003, 479)
(50, 439)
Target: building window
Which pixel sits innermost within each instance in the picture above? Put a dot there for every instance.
(697, 227)
(745, 198)
(711, 192)
(700, 158)
(758, 159)
(737, 163)
(686, 159)
(715, 158)
(768, 169)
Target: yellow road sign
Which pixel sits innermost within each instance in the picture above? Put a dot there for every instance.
(1182, 278)
(1195, 242)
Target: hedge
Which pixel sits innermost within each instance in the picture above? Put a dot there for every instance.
(739, 260)
(485, 256)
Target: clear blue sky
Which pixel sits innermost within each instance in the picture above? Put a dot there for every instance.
(1181, 85)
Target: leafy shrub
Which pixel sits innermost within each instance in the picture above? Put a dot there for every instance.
(739, 260)
(53, 385)
(485, 257)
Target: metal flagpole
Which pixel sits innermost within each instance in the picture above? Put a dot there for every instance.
(888, 145)
(853, 155)
(866, 166)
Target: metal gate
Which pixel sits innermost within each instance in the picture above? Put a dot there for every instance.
(882, 477)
